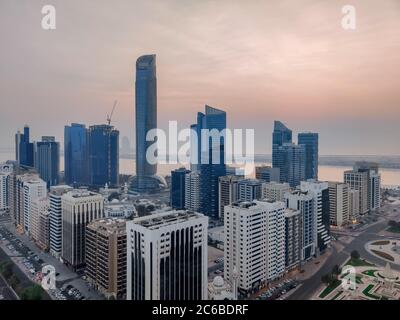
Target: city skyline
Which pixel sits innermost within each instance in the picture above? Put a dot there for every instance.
(301, 68)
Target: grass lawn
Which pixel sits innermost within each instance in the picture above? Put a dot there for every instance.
(330, 288)
(369, 273)
(358, 280)
(367, 290)
(394, 229)
(358, 263)
(337, 295)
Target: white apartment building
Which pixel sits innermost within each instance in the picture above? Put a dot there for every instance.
(79, 208)
(33, 188)
(39, 222)
(167, 256)
(358, 181)
(275, 191)
(354, 205)
(339, 203)
(55, 218)
(5, 172)
(320, 192)
(374, 190)
(304, 202)
(254, 243)
(192, 191)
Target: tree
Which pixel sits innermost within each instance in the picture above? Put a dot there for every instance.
(14, 281)
(34, 292)
(6, 269)
(336, 270)
(355, 255)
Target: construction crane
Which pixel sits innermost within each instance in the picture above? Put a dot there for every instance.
(112, 111)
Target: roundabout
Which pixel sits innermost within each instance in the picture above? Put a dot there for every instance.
(387, 250)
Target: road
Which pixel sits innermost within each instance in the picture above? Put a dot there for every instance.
(370, 233)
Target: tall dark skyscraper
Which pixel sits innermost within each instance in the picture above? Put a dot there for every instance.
(76, 154)
(310, 141)
(288, 157)
(146, 119)
(24, 148)
(47, 160)
(178, 188)
(212, 159)
(103, 155)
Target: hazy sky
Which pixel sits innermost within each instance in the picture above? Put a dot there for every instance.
(258, 60)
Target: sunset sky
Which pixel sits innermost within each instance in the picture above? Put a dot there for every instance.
(257, 60)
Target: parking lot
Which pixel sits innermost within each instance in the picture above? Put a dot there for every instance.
(31, 261)
(279, 291)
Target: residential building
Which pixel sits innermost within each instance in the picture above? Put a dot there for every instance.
(250, 189)
(304, 202)
(274, 191)
(167, 256)
(55, 218)
(358, 180)
(320, 192)
(6, 169)
(339, 203)
(79, 208)
(39, 222)
(354, 205)
(293, 236)
(192, 191)
(106, 256)
(228, 192)
(254, 243)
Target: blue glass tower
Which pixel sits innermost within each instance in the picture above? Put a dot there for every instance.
(310, 141)
(47, 160)
(24, 148)
(281, 135)
(211, 157)
(103, 155)
(178, 188)
(76, 155)
(146, 119)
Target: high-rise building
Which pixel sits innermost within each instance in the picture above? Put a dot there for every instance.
(293, 235)
(103, 155)
(39, 222)
(79, 208)
(178, 177)
(47, 160)
(354, 205)
(6, 170)
(24, 148)
(210, 156)
(358, 181)
(228, 193)
(76, 155)
(250, 189)
(291, 161)
(374, 182)
(106, 256)
(310, 141)
(32, 188)
(339, 203)
(55, 218)
(192, 191)
(274, 191)
(320, 192)
(304, 202)
(254, 243)
(146, 120)
(281, 134)
(267, 173)
(167, 256)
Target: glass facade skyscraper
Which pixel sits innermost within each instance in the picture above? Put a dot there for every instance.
(146, 119)
(103, 155)
(178, 188)
(310, 141)
(47, 160)
(24, 148)
(76, 158)
(211, 157)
